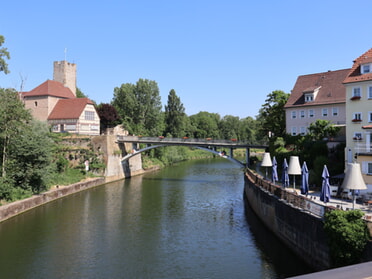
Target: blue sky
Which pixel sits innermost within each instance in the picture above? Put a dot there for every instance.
(219, 56)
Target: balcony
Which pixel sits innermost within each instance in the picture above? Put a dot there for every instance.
(362, 148)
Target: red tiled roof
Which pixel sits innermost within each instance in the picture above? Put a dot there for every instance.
(51, 88)
(331, 89)
(69, 108)
(354, 74)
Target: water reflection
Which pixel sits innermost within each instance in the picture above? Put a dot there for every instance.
(187, 221)
(276, 256)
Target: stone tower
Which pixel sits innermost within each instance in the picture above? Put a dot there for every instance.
(65, 73)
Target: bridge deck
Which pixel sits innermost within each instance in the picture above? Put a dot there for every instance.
(188, 141)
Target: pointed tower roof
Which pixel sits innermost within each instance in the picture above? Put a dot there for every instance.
(50, 88)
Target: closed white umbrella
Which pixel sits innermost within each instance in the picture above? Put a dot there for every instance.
(353, 179)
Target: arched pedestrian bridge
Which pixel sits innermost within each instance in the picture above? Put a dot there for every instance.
(207, 144)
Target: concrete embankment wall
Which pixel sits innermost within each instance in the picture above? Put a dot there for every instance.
(302, 232)
(12, 209)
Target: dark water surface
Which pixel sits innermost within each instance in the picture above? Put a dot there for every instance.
(186, 221)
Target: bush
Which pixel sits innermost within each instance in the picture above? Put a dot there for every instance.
(347, 234)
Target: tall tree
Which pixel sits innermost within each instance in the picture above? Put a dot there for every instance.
(205, 124)
(272, 114)
(248, 129)
(140, 106)
(175, 117)
(4, 54)
(13, 119)
(229, 127)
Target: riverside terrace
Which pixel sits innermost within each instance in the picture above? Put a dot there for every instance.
(310, 203)
(207, 144)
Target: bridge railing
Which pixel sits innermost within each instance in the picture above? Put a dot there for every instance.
(186, 140)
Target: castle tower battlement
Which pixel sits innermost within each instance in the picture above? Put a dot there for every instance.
(65, 73)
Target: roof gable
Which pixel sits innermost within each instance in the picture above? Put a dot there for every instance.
(329, 86)
(69, 108)
(355, 73)
(50, 88)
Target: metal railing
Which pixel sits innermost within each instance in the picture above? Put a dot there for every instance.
(292, 198)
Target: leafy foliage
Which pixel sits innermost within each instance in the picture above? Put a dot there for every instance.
(26, 149)
(4, 54)
(321, 129)
(272, 114)
(348, 236)
(139, 106)
(175, 116)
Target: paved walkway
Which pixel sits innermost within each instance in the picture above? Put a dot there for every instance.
(345, 204)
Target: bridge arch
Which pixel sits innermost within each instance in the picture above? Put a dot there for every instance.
(128, 156)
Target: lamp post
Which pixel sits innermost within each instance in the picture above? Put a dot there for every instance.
(294, 168)
(266, 162)
(353, 179)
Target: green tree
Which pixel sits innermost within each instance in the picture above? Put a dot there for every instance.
(272, 114)
(175, 117)
(4, 54)
(26, 149)
(348, 235)
(229, 127)
(248, 129)
(321, 129)
(31, 158)
(13, 120)
(125, 103)
(205, 124)
(140, 107)
(80, 94)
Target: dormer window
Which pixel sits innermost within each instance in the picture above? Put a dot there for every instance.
(309, 97)
(310, 93)
(365, 68)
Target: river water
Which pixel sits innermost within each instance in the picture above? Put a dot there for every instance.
(186, 221)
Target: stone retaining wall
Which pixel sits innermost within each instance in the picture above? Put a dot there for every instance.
(12, 209)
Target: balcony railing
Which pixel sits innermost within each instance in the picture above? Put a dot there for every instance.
(362, 148)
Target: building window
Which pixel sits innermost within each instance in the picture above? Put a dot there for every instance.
(367, 167)
(356, 92)
(309, 98)
(294, 114)
(89, 115)
(302, 114)
(334, 111)
(294, 131)
(94, 127)
(325, 112)
(35, 103)
(311, 113)
(370, 116)
(70, 127)
(302, 131)
(369, 92)
(366, 68)
(357, 117)
(55, 128)
(357, 136)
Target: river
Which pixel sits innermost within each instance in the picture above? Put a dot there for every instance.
(185, 221)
